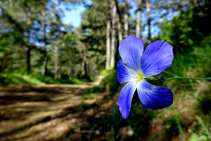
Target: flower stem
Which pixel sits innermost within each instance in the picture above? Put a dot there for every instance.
(178, 77)
(170, 73)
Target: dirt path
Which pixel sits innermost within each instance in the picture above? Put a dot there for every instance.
(47, 112)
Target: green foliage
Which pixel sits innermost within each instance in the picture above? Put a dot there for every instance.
(206, 133)
(196, 63)
(206, 130)
(109, 83)
(94, 89)
(50, 80)
(140, 117)
(90, 96)
(154, 137)
(204, 103)
(186, 30)
(195, 137)
(92, 92)
(138, 120)
(173, 126)
(94, 23)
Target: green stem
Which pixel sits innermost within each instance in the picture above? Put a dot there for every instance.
(170, 73)
(178, 77)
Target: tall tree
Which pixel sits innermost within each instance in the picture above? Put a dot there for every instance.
(28, 38)
(138, 20)
(56, 65)
(148, 19)
(120, 37)
(93, 35)
(113, 34)
(126, 19)
(195, 3)
(44, 42)
(108, 39)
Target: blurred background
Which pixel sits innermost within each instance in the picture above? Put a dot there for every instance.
(58, 76)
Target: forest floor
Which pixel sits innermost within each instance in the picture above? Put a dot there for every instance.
(48, 112)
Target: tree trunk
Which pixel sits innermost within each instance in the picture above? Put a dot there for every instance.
(138, 20)
(120, 32)
(126, 20)
(28, 54)
(148, 20)
(203, 2)
(44, 44)
(56, 65)
(85, 66)
(172, 15)
(28, 58)
(173, 5)
(59, 72)
(69, 72)
(108, 41)
(113, 36)
(195, 3)
(178, 9)
(119, 22)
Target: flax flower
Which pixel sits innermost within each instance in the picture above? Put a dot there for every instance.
(134, 66)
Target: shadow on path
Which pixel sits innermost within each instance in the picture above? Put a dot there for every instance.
(46, 112)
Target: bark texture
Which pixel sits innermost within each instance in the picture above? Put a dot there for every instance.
(126, 20)
(138, 20)
(113, 35)
(108, 39)
(148, 20)
(44, 44)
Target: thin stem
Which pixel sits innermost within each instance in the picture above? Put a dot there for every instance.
(170, 73)
(178, 77)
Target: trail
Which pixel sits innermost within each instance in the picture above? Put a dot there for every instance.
(46, 112)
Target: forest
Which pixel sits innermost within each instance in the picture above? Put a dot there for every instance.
(60, 82)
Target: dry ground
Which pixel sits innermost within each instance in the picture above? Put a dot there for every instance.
(47, 112)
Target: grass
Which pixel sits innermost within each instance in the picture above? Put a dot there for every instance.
(90, 96)
(25, 79)
(50, 80)
(17, 79)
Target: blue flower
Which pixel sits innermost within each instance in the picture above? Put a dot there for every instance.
(136, 67)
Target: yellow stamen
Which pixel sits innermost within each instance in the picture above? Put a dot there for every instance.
(140, 76)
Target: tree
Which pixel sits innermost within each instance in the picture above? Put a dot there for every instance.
(44, 42)
(120, 36)
(108, 39)
(93, 35)
(148, 19)
(126, 19)
(188, 29)
(138, 20)
(113, 34)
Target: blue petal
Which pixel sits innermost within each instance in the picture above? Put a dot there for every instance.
(154, 97)
(130, 50)
(156, 58)
(124, 74)
(125, 98)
